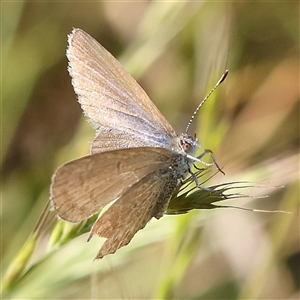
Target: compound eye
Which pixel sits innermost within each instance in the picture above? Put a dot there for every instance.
(186, 147)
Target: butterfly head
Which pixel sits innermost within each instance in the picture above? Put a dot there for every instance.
(189, 144)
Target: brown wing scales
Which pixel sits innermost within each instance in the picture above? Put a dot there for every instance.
(146, 199)
(82, 187)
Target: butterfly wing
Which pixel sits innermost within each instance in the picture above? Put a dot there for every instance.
(113, 101)
(147, 198)
(84, 186)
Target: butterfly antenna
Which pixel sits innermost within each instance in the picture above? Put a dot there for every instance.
(223, 77)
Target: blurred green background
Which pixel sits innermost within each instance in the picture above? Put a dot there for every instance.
(177, 51)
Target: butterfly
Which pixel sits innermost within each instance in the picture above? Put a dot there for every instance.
(137, 160)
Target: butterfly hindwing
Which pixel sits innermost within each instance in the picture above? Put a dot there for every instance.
(147, 198)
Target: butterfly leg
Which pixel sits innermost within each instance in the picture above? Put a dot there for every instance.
(197, 182)
(209, 152)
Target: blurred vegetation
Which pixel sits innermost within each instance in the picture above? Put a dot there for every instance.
(177, 51)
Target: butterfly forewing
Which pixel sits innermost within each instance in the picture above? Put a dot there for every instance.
(147, 198)
(108, 140)
(112, 99)
(82, 187)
